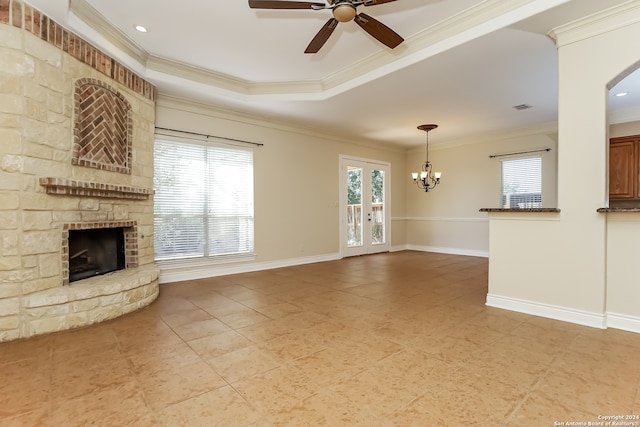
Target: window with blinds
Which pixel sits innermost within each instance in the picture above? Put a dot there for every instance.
(522, 183)
(203, 203)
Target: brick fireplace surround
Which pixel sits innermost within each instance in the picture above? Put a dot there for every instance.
(58, 173)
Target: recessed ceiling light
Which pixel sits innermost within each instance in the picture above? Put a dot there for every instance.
(141, 28)
(622, 94)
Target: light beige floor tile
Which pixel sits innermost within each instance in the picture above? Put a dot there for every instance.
(289, 347)
(262, 301)
(119, 405)
(213, 302)
(457, 404)
(169, 386)
(329, 367)
(540, 411)
(25, 386)
(168, 304)
(278, 310)
(220, 407)
(303, 320)
(84, 341)
(192, 326)
(587, 394)
(136, 336)
(38, 347)
(219, 344)
(237, 292)
(275, 391)
(397, 339)
(161, 357)
(328, 408)
(40, 417)
(243, 363)
(241, 319)
(77, 375)
(265, 331)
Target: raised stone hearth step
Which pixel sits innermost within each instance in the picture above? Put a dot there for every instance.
(91, 300)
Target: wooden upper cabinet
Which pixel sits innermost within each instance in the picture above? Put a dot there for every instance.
(624, 168)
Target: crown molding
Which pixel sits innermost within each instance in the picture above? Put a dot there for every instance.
(90, 16)
(199, 75)
(473, 22)
(596, 24)
(206, 109)
(549, 128)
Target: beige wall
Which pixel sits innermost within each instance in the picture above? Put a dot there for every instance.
(296, 185)
(447, 219)
(623, 247)
(555, 264)
(623, 286)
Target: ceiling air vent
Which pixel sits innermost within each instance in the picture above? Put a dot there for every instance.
(522, 107)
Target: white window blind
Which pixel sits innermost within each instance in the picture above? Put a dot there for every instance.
(203, 203)
(522, 183)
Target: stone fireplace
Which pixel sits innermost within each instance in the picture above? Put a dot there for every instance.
(76, 167)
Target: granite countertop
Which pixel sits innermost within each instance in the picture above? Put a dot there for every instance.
(609, 210)
(552, 210)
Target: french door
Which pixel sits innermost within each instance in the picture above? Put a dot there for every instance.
(364, 207)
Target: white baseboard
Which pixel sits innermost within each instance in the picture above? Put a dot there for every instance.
(185, 272)
(450, 251)
(623, 322)
(595, 320)
(181, 272)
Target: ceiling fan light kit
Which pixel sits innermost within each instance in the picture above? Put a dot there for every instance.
(343, 11)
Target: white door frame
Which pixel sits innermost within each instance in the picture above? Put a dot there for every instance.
(367, 247)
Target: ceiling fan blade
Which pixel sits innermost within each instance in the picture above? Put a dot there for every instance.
(375, 2)
(378, 30)
(274, 4)
(323, 35)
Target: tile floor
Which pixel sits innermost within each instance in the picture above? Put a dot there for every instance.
(399, 339)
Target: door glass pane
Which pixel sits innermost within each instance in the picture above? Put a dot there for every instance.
(377, 206)
(354, 206)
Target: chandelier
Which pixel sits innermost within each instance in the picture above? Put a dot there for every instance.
(426, 179)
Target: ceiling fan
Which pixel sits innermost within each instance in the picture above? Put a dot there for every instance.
(343, 11)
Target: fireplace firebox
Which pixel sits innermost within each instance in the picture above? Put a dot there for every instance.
(94, 252)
